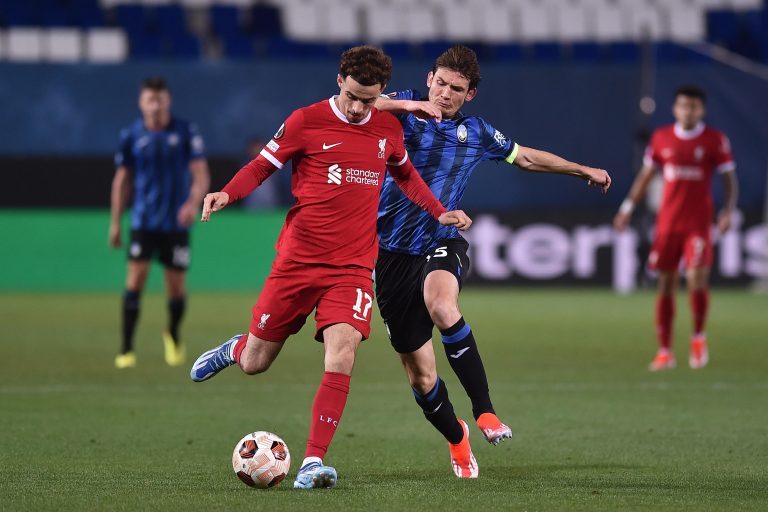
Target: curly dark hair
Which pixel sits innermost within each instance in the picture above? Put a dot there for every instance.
(461, 59)
(368, 65)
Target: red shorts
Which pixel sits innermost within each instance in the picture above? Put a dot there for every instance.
(292, 290)
(695, 248)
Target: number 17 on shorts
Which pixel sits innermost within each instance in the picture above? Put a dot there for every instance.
(362, 306)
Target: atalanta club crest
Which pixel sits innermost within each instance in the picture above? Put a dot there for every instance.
(280, 132)
(461, 133)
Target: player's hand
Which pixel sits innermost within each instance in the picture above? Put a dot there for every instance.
(424, 110)
(115, 238)
(621, 221)
(213, 203)
(724, 222)
(455, 218)
(597, 178)
(187, 213)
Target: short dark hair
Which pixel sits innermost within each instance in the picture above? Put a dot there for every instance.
(692, 91)
(463, 60)
(368, 65)
(154, 83)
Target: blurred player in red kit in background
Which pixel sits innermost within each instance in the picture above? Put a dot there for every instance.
(340, 149)
(688, 153)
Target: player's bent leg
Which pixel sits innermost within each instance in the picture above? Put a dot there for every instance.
(253, 354)
(211, 362)
(430, 391)
(256, 355)
(341, 342)
(441, 290)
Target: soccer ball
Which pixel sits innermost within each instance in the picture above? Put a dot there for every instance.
(261, 459)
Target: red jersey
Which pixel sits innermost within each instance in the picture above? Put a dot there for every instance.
(688, 160)
(338, 170)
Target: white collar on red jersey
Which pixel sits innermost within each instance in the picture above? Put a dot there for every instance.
(694, 132)
(343, 117)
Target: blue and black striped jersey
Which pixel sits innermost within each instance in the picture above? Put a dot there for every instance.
(159, 164)
(445, 154)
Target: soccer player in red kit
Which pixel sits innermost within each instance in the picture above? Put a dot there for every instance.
(688, 153)
(340, 149)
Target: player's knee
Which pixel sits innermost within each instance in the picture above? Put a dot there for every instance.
(443, 311)
(253, 365)
(423, 383)
(340, 361)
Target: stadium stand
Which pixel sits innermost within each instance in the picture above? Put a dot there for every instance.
(63, 30)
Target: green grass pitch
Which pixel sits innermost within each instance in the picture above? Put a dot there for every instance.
(594, 430)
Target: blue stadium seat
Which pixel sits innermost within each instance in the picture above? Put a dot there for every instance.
(398, 50)
(57, 13)
(508, 52)
(132, 19)
(225, 20)
(266, 20)
(169, 19)
(546, 52)
(432, 49)
(146, 46)
(587, 52)
(88, 13)
(722, 27)
(185, 46)
(21, 14)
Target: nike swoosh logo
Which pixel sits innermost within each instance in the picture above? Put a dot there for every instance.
(459, 353)
(358, 317)
(329, 146)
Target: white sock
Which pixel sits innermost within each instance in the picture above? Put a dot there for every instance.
(309, 460)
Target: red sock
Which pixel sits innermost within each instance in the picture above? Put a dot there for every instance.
(665, 312)
(239, 346)
(699, 306)
(327, 408)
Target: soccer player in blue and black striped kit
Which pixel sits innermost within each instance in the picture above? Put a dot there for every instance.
(421, 265)
(163, 158)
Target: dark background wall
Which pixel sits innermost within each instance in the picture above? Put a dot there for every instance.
(59, 124)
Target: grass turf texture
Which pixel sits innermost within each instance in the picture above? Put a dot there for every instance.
(593, 429)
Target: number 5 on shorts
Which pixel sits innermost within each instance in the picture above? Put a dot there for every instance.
(359, 308)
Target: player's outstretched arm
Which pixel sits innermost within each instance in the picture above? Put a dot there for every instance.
(121, 188)
(421, 109)
(636, 193)
(213, 203)
(408, 180)
(536, 160)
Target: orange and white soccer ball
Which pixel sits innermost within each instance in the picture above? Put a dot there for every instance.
(261, 459)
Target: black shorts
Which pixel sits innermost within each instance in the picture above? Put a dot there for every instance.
(400, 290)
(172, 248)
